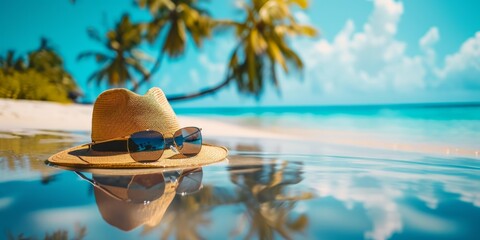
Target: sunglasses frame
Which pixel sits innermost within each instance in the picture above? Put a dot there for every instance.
(167, 142)
(176, 178)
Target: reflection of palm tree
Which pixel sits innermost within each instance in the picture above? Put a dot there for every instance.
(173, 20)
(187, 214)
(123, 57)
(267, 203)
(262, 47)
(80, 233)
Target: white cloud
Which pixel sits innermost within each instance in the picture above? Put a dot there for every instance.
(364, 64)
(373, 61)
(366, 61)
(215, 70)
(385, 17)
(463, 67)
(430, 38)
(194, 76)
(427, 43)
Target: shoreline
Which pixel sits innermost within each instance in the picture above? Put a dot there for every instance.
(37, 115)
(34, 116)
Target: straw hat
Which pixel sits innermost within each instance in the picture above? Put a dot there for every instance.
(120, 112)
(129, 201)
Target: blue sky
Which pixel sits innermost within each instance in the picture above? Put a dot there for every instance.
(369, 52)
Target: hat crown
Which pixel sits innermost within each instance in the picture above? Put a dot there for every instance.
(120, 112)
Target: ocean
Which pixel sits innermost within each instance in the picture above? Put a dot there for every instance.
(451, 125)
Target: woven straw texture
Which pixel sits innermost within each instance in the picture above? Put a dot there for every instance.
(119, 113)
(127, 216)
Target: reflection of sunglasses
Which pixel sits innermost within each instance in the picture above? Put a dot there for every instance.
(147, 187)
(148, 145)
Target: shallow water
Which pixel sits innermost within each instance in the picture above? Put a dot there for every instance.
(266, 189)
(449, 126)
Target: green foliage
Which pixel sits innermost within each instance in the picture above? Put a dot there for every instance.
(122, 59)
(178, 18)
(173, 20)
(31, 85)
(10, 63)
(43, 78)
(263, 44)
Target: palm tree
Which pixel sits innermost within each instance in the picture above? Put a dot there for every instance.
(262, 47)
(10, 63)
(123, 59)
(46, 61)
(41, 77)
(173, 20)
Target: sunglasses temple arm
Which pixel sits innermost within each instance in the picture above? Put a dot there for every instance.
(93, 183)
(174, 149)
(105, 141)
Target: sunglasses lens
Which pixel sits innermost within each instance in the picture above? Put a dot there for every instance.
(146, 188)
(188, 141)
(191, 182)
(146, 146)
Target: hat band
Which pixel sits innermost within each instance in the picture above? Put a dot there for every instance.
(149, 145)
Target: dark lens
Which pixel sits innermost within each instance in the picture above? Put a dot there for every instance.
(146, 188)
(188, 141)
(146, 146)
(190, 181)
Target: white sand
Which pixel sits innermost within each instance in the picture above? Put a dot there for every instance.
(25, 115)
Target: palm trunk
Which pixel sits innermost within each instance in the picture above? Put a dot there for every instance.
(154, 69)
(207, 91)
(200, 93)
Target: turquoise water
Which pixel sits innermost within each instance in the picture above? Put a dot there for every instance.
(268, 189)
(449, 125)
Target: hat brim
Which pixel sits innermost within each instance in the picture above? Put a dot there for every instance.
(82, 157)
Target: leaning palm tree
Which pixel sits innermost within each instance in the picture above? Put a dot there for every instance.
(173, 20)
(262, 47)
(123, 60)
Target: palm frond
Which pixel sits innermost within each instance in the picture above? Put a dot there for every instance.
(93, 34)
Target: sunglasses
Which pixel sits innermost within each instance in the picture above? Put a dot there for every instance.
(149, 145)
(147, 187)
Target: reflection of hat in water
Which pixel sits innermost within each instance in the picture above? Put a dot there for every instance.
(128, 201)
(118, 113)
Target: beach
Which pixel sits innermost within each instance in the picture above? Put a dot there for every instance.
(37, 115)
(298, 175)
(291, 120)
(28, 116)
